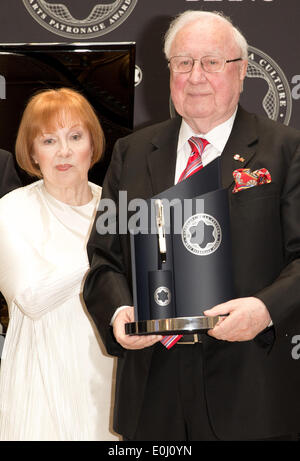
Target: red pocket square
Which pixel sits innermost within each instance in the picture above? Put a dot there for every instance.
(245, 178)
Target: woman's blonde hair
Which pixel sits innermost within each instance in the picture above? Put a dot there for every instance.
(48, 110)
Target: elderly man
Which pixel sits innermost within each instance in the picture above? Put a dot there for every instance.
(240, 380)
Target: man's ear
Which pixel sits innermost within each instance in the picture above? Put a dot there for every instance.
(243, 72)
(243, 68)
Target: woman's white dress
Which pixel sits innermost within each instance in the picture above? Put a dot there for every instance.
(55, 379)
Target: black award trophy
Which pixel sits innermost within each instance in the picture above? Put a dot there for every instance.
(183, 267)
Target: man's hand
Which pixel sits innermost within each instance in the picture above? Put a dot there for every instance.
(247, 317)
(131, 342)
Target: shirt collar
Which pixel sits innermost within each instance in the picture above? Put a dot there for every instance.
(218, 136)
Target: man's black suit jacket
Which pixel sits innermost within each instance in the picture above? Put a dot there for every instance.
(252, 387)
(9, 179)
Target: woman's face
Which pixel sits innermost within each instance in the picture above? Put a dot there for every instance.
(64, 155)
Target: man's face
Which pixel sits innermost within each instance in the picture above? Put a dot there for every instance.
(205, 99)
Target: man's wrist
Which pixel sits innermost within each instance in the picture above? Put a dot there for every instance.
(119, 309)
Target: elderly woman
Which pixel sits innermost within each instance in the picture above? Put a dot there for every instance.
(55, 381)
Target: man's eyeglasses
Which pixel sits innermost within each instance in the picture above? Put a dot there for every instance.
(184, 64)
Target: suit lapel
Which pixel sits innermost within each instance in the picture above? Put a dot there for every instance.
(242, 142)
(162, 159)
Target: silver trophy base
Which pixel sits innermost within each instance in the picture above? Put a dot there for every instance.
(177, 325)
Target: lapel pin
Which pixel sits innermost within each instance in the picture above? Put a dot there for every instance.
(239, 158)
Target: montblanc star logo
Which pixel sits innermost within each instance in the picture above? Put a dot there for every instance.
(162, 296)
(201, 234)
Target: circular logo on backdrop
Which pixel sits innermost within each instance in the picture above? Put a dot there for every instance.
(201, 234)
(162, 296)
(138, 75)
(97, 17)
(276, 100)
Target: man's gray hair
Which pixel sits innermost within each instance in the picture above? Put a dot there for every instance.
(191, 16)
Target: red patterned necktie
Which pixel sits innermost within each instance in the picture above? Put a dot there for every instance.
(193, 165)
(194, 162)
